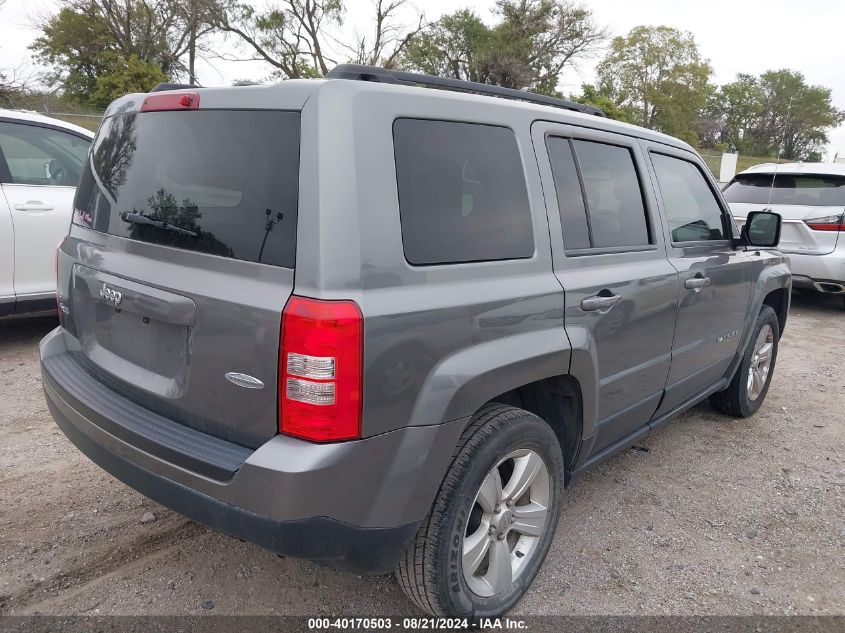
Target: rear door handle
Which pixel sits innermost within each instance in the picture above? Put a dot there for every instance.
(696, 283)
(33, 205)
(600, 302)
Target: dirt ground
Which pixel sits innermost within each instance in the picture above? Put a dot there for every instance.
(718, 516)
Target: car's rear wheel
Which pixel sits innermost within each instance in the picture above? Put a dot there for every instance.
(493, 519)
(750, 384)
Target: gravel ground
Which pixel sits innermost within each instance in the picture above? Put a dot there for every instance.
(715, 517)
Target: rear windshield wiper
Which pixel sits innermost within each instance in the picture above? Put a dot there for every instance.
(140, 218)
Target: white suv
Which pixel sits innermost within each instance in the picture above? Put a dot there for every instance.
(811, 199)
(41, 160)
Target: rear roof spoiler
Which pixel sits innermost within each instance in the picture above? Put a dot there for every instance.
(169, 86)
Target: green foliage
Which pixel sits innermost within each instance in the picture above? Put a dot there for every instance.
(776, 112)
(657, 73)
(795, 113)
(89, 63)
(95, 47)
(739, 105)
(98, 50)
(590, 95)
(125, 76)
(528, 48)
(457, 45)
(75, 45)
(288, 36)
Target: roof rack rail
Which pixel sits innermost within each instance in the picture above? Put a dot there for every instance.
(361, 72)
(169, 86)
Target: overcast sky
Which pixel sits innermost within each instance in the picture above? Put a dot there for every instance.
(749, 36)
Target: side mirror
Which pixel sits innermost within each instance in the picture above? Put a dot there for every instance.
(762, 228)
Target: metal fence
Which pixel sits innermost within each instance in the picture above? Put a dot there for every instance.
(713, 162)
(88, 121)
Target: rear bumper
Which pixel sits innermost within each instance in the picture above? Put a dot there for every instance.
(354, 505)
(807, 270)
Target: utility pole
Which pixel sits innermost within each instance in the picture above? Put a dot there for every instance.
(192, 43)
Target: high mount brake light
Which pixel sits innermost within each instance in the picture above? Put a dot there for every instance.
(171, 101)
(320, 370)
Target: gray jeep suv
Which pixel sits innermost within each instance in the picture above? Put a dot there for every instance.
(382, 326)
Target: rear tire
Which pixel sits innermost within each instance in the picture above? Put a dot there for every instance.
(750, 384)
(481, 546)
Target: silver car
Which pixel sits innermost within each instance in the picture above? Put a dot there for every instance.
(811, 199)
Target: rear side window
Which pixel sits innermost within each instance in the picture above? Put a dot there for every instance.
(691, 208)
(462, 192)
(614, 197)
(570, 200)
(809, 190)
(223, 182)
(609, 212)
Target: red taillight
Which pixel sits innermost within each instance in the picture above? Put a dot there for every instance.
(171, 101)
(827, 223)
(320, 370)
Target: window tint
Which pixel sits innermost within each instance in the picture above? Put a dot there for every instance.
(614, 199)
(462, 193)
(223, 182)
(35, 155)
(809, 190)
(570, 200)
(73, 145)
(691, 207)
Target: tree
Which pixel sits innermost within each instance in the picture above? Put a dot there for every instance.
(528, 48)
(297, 37)
(87, 40)
(456, 46)
(590, 95)
(197, 18)
(125, 76)
(289, 37)
(776, 113)
(15, 82)
(658, 73)
(794, 116)
(76, 46)
(734, 110)
(389, 37)
(537, 39)
(160, 31)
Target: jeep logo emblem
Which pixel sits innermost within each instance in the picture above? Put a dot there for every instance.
(111, 295)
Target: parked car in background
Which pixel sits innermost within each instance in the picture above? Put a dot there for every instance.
(41, 161)
(382, 326)
(811, 199)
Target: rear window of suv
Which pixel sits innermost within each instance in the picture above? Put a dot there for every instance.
(809, 190)
(223, 182)
(462, 192)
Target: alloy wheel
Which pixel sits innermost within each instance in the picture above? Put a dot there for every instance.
(761, 362)
(506, 523)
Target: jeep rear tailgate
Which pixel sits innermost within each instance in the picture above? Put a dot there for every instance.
(184, 262)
